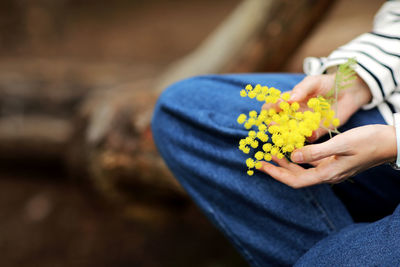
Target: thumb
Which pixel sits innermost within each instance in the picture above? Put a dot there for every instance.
(312, 85)
(315, 152)
(303, 88)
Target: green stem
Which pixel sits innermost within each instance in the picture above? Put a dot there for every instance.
(336, 98)
(330, 130)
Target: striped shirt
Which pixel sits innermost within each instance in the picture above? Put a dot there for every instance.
(378, 60)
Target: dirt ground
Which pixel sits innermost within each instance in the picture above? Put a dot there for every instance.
(49, 220)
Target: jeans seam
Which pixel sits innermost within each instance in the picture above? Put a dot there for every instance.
(328, 222)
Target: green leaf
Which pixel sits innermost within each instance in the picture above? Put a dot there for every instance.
(345, 74)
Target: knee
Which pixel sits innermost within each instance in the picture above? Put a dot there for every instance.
(168, 107)
(178, 92)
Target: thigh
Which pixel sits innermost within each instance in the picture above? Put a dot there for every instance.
(195, 129)
(360, 244)
(375, 193)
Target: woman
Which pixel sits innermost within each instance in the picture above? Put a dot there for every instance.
(297, 218)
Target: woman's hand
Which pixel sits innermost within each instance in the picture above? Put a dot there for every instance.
(349, 100)
(335, 160)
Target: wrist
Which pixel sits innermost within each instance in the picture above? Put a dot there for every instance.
(362, 93)
(389, 144)
(395, 163)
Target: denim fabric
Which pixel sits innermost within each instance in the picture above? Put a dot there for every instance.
(271, 224)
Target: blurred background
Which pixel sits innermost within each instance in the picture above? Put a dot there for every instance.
(81, 183)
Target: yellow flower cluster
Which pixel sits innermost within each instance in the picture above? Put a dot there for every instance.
(287, 129)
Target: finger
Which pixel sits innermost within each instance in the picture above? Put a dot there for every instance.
(268, 106)
(304, 88)
(294, 179)
(286, 164)
(279, 173)
(323, 165)
(317, 134)
(311, 86)
(334, 146)
(316, 162)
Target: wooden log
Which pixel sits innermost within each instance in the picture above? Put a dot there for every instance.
(260, 35)
(287, 26)
(222, 47)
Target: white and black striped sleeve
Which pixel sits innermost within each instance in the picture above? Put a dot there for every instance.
(378, 59)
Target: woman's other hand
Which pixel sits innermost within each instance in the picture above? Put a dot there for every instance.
(349, 100)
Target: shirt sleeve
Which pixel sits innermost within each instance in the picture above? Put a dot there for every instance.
(377, 54)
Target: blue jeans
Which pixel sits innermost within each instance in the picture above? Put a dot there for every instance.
(350, 224)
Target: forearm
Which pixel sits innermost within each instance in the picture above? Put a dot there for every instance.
(387, 150)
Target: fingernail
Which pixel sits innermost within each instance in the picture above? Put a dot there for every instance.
(292, 97)
(297, 157)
